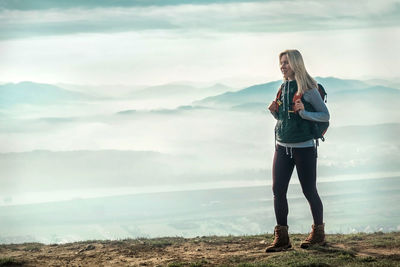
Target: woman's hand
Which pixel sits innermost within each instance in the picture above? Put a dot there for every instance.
(298, 105)
(273, 107)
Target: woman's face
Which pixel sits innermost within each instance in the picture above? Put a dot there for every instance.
(287, 71)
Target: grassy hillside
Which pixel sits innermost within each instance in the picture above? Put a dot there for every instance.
(376, 249)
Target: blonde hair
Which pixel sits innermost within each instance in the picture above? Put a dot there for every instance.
(304, 80)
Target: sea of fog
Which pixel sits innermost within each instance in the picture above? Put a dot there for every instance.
(360, 205)
(178, 160)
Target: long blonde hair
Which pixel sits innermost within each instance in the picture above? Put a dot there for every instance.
(304, 80)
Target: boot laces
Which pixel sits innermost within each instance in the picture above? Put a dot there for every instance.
(310, 236)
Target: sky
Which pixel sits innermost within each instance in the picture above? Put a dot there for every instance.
(156, 42)
(59, 151)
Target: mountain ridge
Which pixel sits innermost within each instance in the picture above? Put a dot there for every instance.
(267, 91)
(37, 93)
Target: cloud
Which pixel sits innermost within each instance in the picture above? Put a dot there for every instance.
(214, 16)
(50, 4)
(158, 57)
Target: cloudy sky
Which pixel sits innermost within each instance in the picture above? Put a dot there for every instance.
(159, 41)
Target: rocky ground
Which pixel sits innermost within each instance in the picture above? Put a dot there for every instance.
(377, 249)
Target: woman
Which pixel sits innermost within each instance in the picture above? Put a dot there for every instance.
(295, 146)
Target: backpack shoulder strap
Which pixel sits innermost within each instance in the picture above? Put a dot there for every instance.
(323, 93)
(279, 93)
(296, 97)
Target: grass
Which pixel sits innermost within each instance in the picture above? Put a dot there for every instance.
(33, 247)
(8, 261)
(342, 250)
(386, 242)
(321, 258)
(188, 264)
(315, 256)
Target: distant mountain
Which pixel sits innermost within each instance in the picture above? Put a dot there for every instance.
(332, 84)
(372, 91)
(163, 111)
(252, 106)
(174, 90)
(393, 83)
(37, 94)
(265, 93)
(166, 90)
(255, 93)
(107, 91)
(217, 88)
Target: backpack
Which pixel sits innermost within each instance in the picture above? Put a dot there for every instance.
(319, 128)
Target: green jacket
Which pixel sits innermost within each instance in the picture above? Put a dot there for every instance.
(290, 127)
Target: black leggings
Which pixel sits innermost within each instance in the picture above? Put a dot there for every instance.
(305, 160)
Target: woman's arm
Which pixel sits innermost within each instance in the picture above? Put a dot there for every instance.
(321, 113)
(274, 114)
(273, 108)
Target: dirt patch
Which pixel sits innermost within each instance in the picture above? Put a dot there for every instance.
(200, 251)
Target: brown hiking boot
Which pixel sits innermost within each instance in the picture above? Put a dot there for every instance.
(316, 237)
(281, 241)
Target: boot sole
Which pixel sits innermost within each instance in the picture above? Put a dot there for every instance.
(279, 249)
